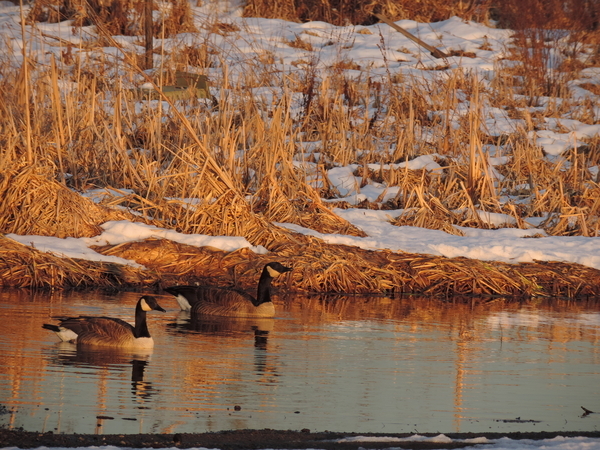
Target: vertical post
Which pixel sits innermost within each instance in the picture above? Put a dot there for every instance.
(148, 29)
(25, 73)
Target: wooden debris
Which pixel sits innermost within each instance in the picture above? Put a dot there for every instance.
(434, 51)
(587, 411)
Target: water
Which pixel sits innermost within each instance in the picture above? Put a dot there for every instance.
(342, 364)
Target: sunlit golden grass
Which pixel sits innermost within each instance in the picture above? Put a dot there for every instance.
(234, 166)
(316, 269)
(22, 266)
(342, 12)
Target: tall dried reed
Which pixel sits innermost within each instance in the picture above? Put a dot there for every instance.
(238, 165)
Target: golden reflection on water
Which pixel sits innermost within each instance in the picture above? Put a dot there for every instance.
(462, 318)
(200, 367)
(105, 360)
(203, 370)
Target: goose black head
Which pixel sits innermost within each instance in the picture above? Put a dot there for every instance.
(149, 303)
(275, 269)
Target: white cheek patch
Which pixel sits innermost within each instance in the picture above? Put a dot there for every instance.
(144, 305)
(273, 272)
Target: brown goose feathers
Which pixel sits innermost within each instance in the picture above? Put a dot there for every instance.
(230, 302)
(109, 331)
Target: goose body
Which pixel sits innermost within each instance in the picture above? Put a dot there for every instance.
(109, 331)
(230, 302)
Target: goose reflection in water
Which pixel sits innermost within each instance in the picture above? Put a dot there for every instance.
(114, 359)
(224, 326)
(234, 327)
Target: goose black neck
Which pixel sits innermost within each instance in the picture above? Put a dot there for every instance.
(264, 288)
(141, 326)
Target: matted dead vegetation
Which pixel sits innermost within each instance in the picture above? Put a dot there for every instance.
(34, 203)
(558, 14)
(25, 267)
(121, 17)
(317, 267)
(344, 12)
(237, 166)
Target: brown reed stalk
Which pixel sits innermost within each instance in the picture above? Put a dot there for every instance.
(164, 158)
(25, 81)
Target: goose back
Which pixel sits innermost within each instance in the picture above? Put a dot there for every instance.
(109, 331)
(105, 331)
(229, 301)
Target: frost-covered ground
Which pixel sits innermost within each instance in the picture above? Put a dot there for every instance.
(379, 51)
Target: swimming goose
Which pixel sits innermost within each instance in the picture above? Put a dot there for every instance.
(108, 331)
(227, 301)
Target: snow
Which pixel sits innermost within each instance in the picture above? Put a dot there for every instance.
(122, 231)
(557, 443)
(379, 50)
(511, 245)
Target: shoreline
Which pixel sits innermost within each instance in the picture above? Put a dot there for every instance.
(260, 439)
(359, 271)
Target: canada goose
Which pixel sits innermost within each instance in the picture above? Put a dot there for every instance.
(230, 302)
(108, 331)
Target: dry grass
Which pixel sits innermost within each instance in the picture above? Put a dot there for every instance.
(526, 16)
(122, 17)
(26, 267)
(242, 163)
(345, 12)
(39, 205)
(317, 268)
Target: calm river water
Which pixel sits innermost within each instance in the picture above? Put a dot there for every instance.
(364, 364)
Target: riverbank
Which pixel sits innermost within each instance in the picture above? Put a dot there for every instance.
(259, 439)
(317, 267)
